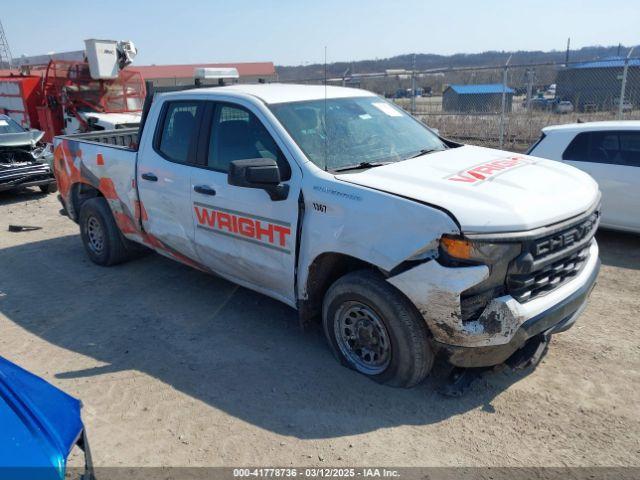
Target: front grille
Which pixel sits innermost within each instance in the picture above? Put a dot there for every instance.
(549, 261)
(526, 287)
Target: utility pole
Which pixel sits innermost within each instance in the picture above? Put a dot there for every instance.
(623, 87)
(566, 57)
(5, 51)
(344, 77)
(413, 86)
(504, 100)
(530, 79)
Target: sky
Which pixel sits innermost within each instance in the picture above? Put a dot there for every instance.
(290, 32)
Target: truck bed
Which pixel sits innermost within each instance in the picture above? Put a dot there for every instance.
(124, 137)
(105, 162)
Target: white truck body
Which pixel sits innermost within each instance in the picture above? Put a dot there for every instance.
(101, 121)
(390, 218)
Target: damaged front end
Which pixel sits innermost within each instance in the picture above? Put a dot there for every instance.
(24, 160)
(484, 298)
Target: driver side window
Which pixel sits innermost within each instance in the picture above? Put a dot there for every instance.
(237, 134)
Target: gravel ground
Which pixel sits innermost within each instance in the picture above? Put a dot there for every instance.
(177, 368)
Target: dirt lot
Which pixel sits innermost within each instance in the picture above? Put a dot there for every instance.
(179, 368)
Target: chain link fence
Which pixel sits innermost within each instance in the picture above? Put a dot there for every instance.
(506, 107)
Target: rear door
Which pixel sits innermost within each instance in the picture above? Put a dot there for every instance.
(613, 159)
(240, 232)
(164, 176)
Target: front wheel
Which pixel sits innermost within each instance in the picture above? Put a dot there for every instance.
(373, 329)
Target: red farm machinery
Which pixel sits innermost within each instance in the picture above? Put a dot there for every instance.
(75, 92)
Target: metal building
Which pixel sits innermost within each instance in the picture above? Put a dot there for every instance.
(483, 98)
(597, 85)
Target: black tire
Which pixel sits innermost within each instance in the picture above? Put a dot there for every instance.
(409, 358)
(101, 237)
(49, 187)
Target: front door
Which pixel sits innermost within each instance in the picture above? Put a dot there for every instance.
(240, 232)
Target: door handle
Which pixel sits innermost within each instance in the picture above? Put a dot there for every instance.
(149, 176)
(204, 189)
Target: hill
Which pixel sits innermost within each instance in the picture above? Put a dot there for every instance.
(426, 61)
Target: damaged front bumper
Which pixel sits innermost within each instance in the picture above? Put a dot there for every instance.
(505, 324)
(28, 165)
(31, 175)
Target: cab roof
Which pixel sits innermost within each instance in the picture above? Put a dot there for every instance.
(272, 93)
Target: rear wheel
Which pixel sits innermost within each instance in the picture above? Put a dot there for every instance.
(101, 237)
(373, 329)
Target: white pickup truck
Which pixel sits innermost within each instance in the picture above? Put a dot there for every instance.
(332, 200)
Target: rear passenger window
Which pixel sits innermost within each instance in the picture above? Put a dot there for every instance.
(604, 148)
(179, 130)
(237, 134)
(613, 148)
(578, 149)
(630, 148)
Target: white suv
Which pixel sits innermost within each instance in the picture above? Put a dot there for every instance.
(610, 153)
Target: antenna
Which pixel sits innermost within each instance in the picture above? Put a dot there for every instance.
(326, 132)
(5, 52)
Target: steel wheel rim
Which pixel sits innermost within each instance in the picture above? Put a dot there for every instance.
(95, 235)
(362, 337)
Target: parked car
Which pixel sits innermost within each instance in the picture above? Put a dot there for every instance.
(627, 106)
(341, 205)
(24, 160)
(402, 93)
(563, 106)
(538, 103)
(40, 426)
(610, 153)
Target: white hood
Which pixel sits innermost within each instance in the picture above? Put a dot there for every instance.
(487, 190)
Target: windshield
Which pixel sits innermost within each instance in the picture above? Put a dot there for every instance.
(357, 130)
(8, 125)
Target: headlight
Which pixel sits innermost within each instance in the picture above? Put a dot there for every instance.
(459, 250)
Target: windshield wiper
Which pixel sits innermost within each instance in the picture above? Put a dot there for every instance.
(359, 166)
(424, 151)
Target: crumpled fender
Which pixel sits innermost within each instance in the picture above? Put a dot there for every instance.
(379, 228)
(435, 291)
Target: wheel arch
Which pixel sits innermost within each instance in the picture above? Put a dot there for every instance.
(80, 192)
(323, 271)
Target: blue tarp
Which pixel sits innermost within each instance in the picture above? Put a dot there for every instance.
(39, 425)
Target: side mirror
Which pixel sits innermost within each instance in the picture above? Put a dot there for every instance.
(260, 173)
